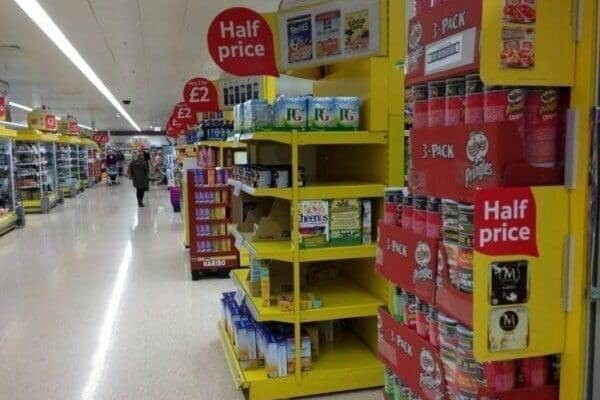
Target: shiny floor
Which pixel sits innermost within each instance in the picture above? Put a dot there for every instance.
(96, 303)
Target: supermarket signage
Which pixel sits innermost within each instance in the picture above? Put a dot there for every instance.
(184, 114)
(315, 33)
(409, 260)
(68, 126)
(506, 222)
(444, 41)
(201, 95)
(241, 43)
(101, 138)
(413, 359)
(2, 109)
(41, 120)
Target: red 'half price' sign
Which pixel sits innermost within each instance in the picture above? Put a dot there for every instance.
(201, 95)
(240, 41)
(505, 222)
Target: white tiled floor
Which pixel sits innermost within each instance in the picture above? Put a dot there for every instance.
(96, 303)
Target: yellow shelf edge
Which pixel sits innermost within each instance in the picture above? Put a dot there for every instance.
(285, 193)
(278, 250)
(341, 190)
(338, 253)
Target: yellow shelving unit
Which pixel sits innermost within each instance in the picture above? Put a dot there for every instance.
(10, 220)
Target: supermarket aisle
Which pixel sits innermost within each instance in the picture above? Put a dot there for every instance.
(96, 303)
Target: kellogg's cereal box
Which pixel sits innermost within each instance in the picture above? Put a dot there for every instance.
(300, 44)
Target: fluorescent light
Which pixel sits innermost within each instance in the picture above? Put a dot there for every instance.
(157, 129)
(21, 106)
(57, 118)
(38, 15)
(14, 124)
(86, 127)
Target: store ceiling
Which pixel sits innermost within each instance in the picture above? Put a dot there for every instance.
(143, 50)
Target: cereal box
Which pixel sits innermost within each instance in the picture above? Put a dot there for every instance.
(327, 27)
(357, 31)
(345, 224)
(321, 113)
(518, 47)
(314, 224)
(290, 113)
(519, 11)
(300, 45)
(347, 113)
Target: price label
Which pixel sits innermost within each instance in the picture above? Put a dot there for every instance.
(201, 95)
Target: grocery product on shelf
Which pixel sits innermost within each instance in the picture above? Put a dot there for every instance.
(11, 208)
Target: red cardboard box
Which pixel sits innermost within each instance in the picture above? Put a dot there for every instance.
(408, 261)
(460, 160)
(444, 41)
(412, 359)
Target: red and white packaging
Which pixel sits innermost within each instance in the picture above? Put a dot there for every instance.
(421, 6)
(498, 376)
(455, 101)
(519, 11)
(474, 100)
(420, 106)
(533, 372)
(419, 225)
(541, 126)
(505, 105)
(436, 110)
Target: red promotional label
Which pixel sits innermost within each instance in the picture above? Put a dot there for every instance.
(50, 122)
(100, 138)
(2, 108)
(505, 222)
(73, 127)
(201, 95)
(241, 42)
(444, 41)
(184, 114)
(409, 260)
(175, 126)
(412, 359)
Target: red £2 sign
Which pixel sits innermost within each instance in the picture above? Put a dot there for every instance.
(241, 42)
(201, 95)
(505, 222)
(184, 114)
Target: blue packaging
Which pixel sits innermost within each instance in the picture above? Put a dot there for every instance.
(347, 113)
(290, 113)
(258, 116)
(321, 112)
(238, 118)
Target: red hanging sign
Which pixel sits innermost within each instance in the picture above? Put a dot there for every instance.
(2, 108)
(201, 95)
(241, 42)
(505, 222)
(101, 138)
(184, 114)
(50, 122)
(176, 126)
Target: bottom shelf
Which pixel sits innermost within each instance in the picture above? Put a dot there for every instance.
(8, 222)
(36, 206)
(347, 364)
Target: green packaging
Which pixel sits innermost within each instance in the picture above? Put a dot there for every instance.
(345, 222)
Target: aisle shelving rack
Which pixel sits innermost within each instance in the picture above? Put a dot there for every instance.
(68, 165)
(10, 200)
(35, 160)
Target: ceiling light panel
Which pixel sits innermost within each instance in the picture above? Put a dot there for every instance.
(38, 15)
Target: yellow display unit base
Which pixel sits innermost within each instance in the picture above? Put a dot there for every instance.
(37, 206)
(347, 364)
(8, 222)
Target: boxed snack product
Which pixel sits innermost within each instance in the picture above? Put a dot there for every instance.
(321, 113)
(258, 116)
(367, 223)
(314, 223)
(290, 113)
(345, 222)
(347, 113)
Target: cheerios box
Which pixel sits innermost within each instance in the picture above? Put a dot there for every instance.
(345, 222)
(314, 224)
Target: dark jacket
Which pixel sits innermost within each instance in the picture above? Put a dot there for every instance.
(140, 174)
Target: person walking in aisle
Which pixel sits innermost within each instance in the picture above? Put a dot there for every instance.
(139, 172)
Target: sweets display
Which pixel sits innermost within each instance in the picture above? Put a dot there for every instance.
(304, 113)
